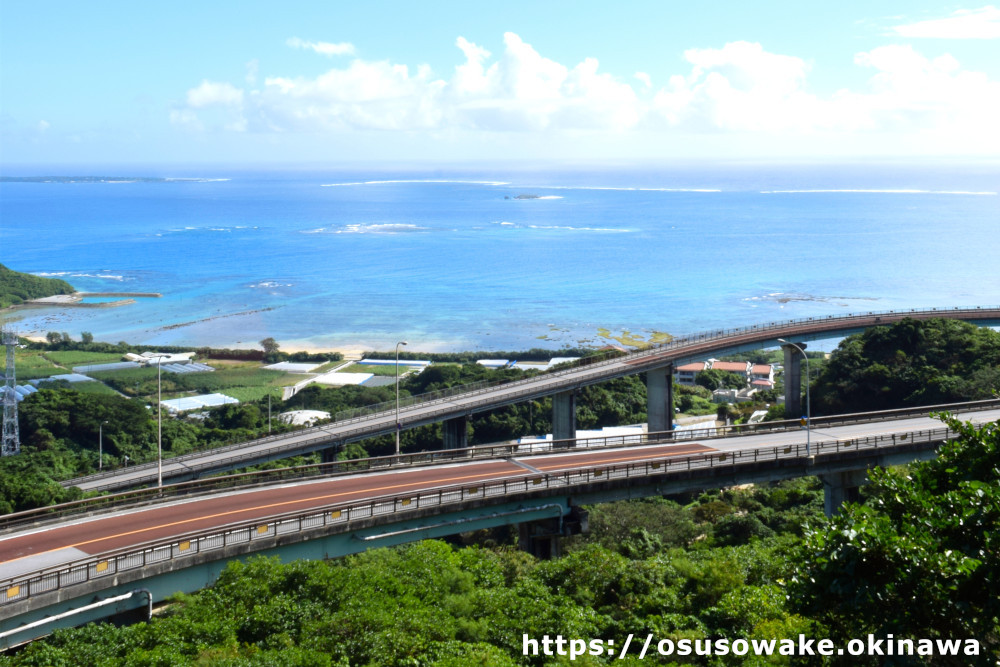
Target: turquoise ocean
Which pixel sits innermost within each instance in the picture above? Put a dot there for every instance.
(496, 259)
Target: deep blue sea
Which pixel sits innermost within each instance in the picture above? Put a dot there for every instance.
(452, 259)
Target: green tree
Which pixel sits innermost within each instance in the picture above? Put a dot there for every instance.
(714, 378)
(913, 362)
(921, 558)
(86, 337)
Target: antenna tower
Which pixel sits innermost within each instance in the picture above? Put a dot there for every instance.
(11, 439)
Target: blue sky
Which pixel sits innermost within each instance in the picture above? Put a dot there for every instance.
(343, 82)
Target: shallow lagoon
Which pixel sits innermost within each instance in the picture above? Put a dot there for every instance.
(453, 259)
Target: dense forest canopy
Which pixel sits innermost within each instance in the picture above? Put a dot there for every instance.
(911, 363)
(18, 287)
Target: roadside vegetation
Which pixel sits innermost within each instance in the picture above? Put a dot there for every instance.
(759, 562)
(754, 564)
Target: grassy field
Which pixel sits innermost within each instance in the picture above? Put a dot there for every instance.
(70, 358)
(30, 364)
(253, 376)
(92, 388)
(377, 369)
(245, 394)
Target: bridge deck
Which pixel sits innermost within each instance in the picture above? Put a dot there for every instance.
(677, 351)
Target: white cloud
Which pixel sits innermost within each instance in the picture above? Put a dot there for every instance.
(210, 93)
(981, 23)
(323, 48)
(910, 91)
(740, 88)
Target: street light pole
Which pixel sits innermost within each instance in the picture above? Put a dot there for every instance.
(100, 446)
(159, 421)
(808, 410)
(398, 427)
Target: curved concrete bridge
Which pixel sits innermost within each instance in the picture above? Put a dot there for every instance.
(454, 410)
(58, 561)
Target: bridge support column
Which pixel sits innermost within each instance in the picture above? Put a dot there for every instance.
(840, 488)
(456, 433)
(564, 415)
(543, 539)
(328, 455)
(793, 381)
(660, 399)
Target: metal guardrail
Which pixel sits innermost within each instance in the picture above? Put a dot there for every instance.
(527, 387)
(108, 565)
(672, 344)
(353, 466)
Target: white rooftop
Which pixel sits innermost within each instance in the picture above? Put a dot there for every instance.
(292, 367)
(197, 402)
(341, 379)
(303, 417)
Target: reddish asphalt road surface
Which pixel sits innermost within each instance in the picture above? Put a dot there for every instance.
(117, 531)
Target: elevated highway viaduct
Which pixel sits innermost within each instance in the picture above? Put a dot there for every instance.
(59, 560)
(561, 385)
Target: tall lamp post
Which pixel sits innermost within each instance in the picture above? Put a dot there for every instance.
(100, 446)
(398, 427)
(159, 421)
(808, 410)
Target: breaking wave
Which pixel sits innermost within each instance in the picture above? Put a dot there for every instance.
(385, 228)
(568, 228)
(334, 185)
(887, 192)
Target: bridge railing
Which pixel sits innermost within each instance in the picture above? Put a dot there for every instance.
(329, 518)
(675, 343)
(754, 332)
(501, 450)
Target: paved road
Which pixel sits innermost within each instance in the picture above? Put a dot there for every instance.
(28, 551)
(695, 347)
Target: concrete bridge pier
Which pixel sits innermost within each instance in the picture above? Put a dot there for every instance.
(660, 399)
(455, 432)
(793, 381)
(543, 538)
(840, 488)
(328, 455)
(564, 415)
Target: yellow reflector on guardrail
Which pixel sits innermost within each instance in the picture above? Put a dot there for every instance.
(184, 546)
(903, 437)
(102, 566)
(536, 481)
(471, 491)
(788, 450)
(13, 591)
(722, 457)
(261, 530)
(335, 514)
(405, 502)
(654, 466)
(598, 473)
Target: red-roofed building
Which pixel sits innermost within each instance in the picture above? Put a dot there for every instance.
(762, 375)
(685, 374)
(731, 366)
